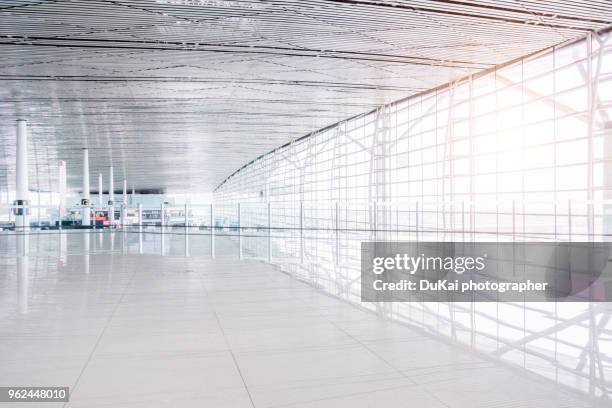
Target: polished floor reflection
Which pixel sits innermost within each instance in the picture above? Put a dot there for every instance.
(144, 320)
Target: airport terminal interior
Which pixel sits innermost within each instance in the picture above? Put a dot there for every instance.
(186, 187)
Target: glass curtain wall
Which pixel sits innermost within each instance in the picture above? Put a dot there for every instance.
(521, 152)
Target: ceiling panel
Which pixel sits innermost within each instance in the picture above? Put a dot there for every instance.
(176, 95)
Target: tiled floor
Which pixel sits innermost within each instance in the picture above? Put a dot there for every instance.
(131, 330)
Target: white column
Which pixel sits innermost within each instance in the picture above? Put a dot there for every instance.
(212, 219)
(62, 191)
(85, 210)
(100, 188)
(187, 227)
(38, 206)
(21, 197)
(125, 202)
(162, 217)
(59, 217)
(163, 221)
(111, 197)
(140, 216)
(186, 216)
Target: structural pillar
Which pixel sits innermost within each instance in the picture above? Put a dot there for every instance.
(140, 216)
(140, 228)
(162, 215)
(100, 188)
(163, 222)
(124, 204)
(85, 200)
(111, 197)
(62, 192)
(21, 194)
(186, 216)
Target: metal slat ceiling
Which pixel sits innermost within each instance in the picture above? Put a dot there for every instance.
(179, 94)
